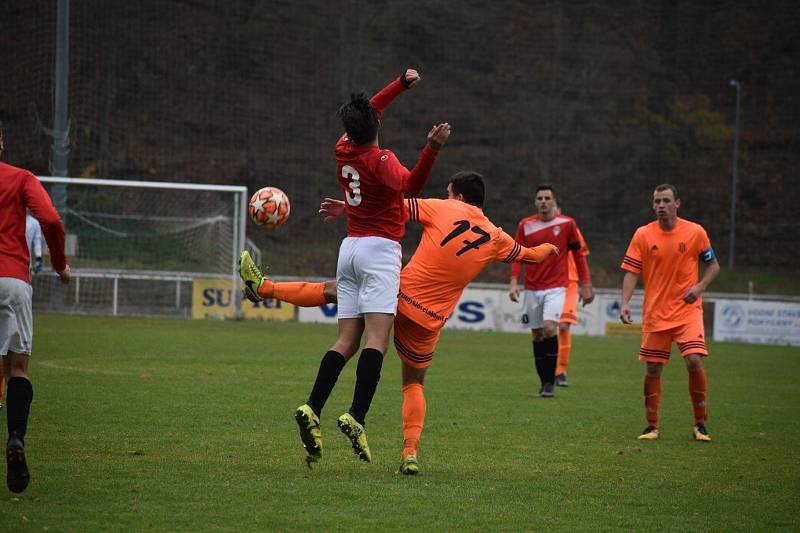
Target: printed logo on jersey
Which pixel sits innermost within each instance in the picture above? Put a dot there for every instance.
(682, 247)
(654, 248)
(384, 157)
(556, 230)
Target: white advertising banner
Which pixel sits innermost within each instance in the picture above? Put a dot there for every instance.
(759, 322)
(487, 310)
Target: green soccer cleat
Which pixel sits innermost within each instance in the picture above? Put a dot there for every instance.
(251, 275)
(358, 438)
(409, 466)
(310, 432)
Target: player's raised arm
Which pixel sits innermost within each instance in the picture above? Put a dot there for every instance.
(410, 78)
(414, 182)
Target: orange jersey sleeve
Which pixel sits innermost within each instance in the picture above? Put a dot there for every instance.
(668, 262)
(572, 268)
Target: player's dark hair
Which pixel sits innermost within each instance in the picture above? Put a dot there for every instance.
(359, 119)
(668, 187)
(547, 187)
(469, 184)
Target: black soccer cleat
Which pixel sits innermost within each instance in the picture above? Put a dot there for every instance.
(17, 477)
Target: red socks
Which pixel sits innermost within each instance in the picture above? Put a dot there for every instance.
(652, 397)
(698, 390)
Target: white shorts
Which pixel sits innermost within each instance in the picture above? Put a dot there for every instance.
(367, 276)
(16, 316)
(543, 305)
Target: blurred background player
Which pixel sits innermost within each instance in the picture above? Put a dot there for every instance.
(373, 183)
(569, 315)
(457, 242)
(546, 284)
(33, 236)
(666, 253)
(20, 190)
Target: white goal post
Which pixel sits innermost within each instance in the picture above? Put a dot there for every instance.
(136, 247)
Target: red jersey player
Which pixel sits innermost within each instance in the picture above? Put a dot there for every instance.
(20, 190)
(373, 183)
(546, 284)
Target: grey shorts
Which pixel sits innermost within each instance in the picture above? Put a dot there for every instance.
(16, 316)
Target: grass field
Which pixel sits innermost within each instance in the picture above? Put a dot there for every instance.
(169, 425)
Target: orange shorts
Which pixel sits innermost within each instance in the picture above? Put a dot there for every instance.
(569, 313)
(415, 344)
(690, 338)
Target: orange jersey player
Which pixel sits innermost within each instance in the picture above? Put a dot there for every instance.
(458, 241)
(569, 316)
(666, 253)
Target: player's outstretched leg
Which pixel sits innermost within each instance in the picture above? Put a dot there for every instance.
(355, 432)
(310, 432)
(252, 277)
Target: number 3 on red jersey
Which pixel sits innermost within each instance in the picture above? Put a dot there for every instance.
(351, 175)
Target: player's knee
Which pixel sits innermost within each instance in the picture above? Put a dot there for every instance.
(549, 330)
(653, 370)
(693, 362)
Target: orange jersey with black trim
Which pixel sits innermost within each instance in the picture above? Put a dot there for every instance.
(458, 241)
(572, 268)
(668, 262)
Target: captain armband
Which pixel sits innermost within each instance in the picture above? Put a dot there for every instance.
(708, 255)
(574, 245)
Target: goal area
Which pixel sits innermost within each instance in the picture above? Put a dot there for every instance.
(138, 247)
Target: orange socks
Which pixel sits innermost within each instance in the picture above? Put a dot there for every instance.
(698, 390)
(652, 397)
(300, 293)
(564, 348)
(413, 416)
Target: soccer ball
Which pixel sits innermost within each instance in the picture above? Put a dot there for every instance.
(269, 207)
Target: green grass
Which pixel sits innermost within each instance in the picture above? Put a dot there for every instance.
(170, 425)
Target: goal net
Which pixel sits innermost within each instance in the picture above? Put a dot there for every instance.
(137, 248)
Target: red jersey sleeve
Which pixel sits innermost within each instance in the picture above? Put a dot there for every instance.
(576, 249)
(632, 262)
(38, 201)
(397, 177)
(385, 96)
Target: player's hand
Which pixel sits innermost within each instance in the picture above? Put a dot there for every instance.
(625, 314)
(553, 249)
(438, 136)
(410, 78)
(513, 291)
(331, 209)
(65, 275)
(692, 294)
(587, 294)
(37, 265)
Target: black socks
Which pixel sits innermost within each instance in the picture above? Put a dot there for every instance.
(545, 355)
(19, 395)
(329, 370)
(368, 375)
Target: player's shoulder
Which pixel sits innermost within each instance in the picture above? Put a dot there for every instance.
(690, 226)
(10, 173)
